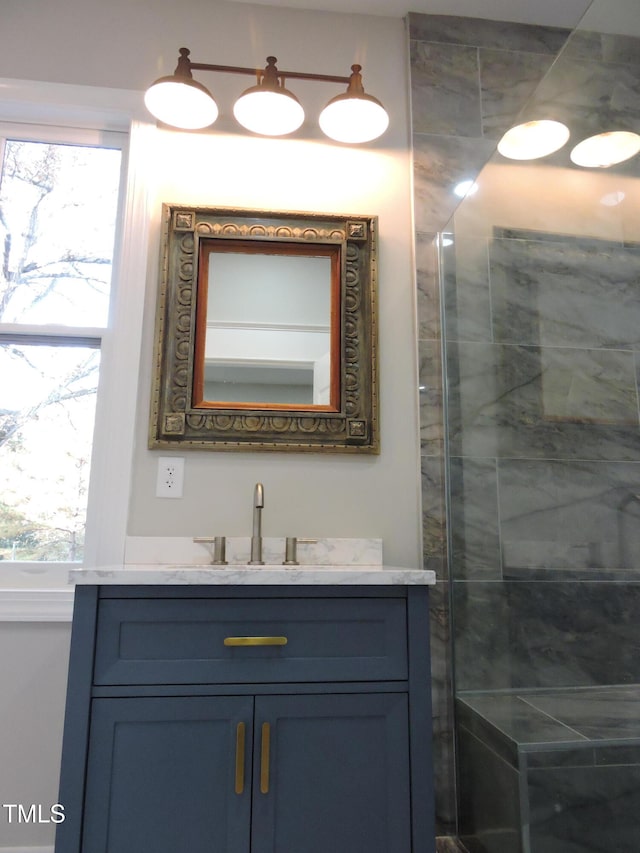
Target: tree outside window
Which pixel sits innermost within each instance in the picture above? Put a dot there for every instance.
(58, 210)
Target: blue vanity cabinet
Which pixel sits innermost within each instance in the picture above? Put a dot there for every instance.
(248, 720)
(147, 757)
(338, 780)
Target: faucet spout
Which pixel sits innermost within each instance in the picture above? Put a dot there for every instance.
(256, 534)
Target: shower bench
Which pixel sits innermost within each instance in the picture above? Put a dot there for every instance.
(550, 770)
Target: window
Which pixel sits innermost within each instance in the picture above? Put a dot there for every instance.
(58, 214)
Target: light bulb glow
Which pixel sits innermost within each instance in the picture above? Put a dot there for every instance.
(533, 139)
(465, 188)
(606, 149)
(184, 104)
(268, 113)
(354, 119)
(613, 199)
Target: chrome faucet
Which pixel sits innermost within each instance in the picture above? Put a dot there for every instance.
(256, 535)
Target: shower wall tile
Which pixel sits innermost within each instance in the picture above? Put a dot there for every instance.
(508, 78)
(574, 793)
(465, 274)
(604, 47)
(429, 378)
(578, 515)
(618, 754)
(584, 44)
(505, 721)
(612, 713)
(528, 401)
(444, 86)
(573, 810)
(620, 49)
(475, 540)
(481, 32)
(449, 147)
(481, 636)
(589, 386)
(490, 814)
(578, 85)
(442, 700)
(440, 163)
(563, 756)
(565, 294)
(533, 382)
(519, 634)
(428, 290)
(433, 516)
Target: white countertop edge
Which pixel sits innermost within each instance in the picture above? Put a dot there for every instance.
(56, 604)
(255, 575)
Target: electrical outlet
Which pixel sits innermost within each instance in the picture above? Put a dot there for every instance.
(170, 477)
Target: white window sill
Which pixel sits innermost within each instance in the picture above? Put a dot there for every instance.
(35, 592)
(36, 605)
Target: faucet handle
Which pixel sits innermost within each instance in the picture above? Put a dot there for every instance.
(290, 552)
(219, 548)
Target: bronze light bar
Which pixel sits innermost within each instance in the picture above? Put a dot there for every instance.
(268, 107)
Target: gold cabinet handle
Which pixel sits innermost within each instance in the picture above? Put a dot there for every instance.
(255, 641)
(240, 729)
(264, 758)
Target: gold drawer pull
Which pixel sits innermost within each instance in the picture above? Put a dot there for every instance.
(264, 758)
(240, 758)
(255, 641)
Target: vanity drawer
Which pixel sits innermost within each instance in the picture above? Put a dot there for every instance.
(227, 641)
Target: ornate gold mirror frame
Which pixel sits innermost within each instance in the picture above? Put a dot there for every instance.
(183, 415)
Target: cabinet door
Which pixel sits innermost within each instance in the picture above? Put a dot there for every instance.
(331, 773)
(165, 775)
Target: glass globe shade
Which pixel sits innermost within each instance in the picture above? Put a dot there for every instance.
(182, 103)
(267, 112)
(533, 139)
(606, 149)
(354, 118)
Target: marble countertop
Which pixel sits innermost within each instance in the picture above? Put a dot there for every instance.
(183, 560)
(267, 575)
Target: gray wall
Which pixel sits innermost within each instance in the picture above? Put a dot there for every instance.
(469, 80)
(542, 337)
(33, 675)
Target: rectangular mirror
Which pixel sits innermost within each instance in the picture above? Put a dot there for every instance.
(267, 327)
(266, 332)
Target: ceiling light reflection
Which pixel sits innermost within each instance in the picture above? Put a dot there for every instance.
(606, 149)
(612, 199)
(465, 188)
(533, 139)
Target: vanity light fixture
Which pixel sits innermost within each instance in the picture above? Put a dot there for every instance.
(354, 116)
(606, 149)
(267, 108)
(533, 139)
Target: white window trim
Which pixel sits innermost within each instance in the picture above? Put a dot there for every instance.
(25, 597)
(36, 605)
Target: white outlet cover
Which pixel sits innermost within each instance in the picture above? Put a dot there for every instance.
(170, 477)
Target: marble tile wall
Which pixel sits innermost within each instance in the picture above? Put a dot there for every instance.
(564, 766)
(573, 758)
(541, 553)
(544, 436)
(542, 367)
(490, 815)
(469, 80)
(595, 808)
